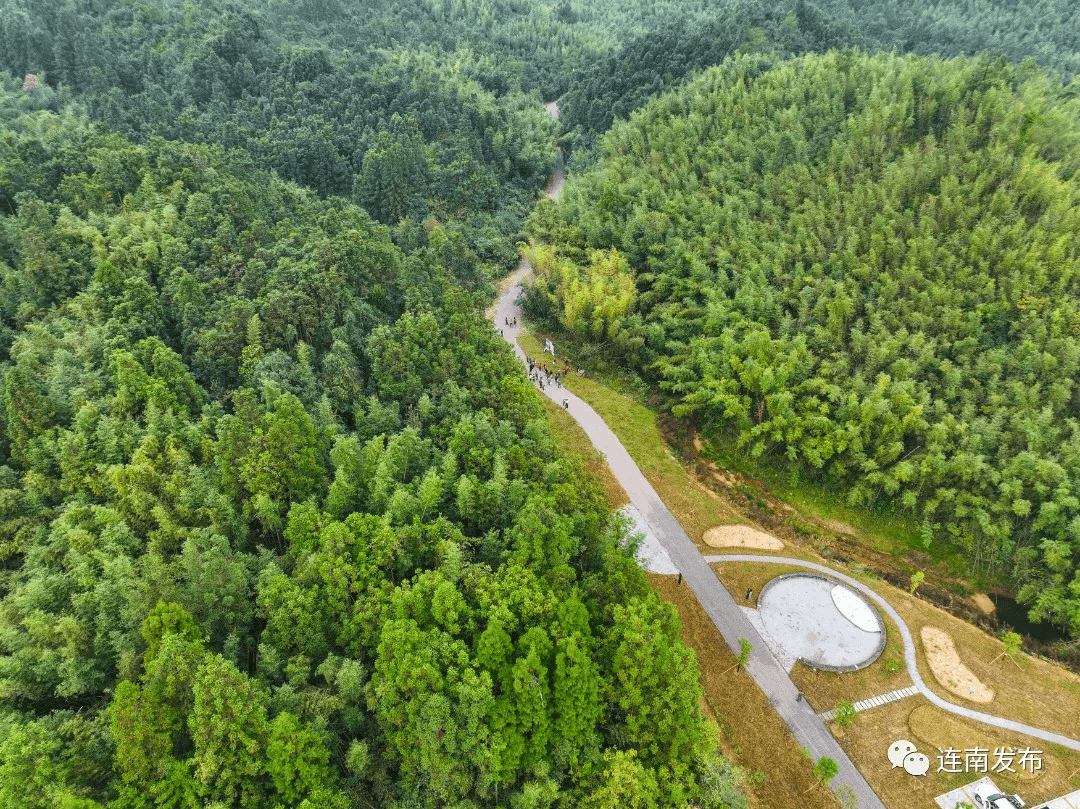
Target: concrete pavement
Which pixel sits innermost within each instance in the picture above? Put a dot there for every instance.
(909, 650)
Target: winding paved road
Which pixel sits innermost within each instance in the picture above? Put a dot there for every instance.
(717, 602)
(909, 650)
(715, 599)
(721, 608)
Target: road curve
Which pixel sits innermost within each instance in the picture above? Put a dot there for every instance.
(909, 650)
(721, 608)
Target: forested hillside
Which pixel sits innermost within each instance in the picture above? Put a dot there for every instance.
(407, 109)
(281, 523)
(651, 58)
(864, 268)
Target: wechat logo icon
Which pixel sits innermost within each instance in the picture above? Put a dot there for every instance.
(902, 753)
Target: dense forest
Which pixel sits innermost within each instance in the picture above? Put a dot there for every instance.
(660, 50)
(281, 523)
(433, 129)
(864, 268)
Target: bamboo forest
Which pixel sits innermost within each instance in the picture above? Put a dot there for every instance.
(283, 520)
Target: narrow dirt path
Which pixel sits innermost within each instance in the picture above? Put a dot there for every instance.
(909, 650)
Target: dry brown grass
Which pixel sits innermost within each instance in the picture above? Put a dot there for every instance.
(738, 577)
(934, 729)
(1036, 693)
(824, 690)
(751, 732)
(915, 719)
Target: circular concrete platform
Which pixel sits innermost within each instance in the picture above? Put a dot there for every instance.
(820, 621)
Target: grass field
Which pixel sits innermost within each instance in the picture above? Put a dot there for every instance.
(752, 734)
(928, 727)
(573, 441)
(1036, 692)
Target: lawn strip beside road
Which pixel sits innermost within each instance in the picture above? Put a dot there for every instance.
(752, 735)
(573, 441)
(695, 507)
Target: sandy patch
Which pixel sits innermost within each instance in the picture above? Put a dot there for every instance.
(740, 536)
(948, 670)
(983, 603)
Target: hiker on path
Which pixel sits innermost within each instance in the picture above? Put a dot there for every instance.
(566, 403)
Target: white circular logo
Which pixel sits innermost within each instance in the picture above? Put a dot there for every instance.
(916, 763)
(899, 750)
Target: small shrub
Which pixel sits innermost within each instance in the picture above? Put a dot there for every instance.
(917, 578)
(845, 713)
(892, 665)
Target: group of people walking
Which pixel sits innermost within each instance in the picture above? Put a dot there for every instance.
(540, 372)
